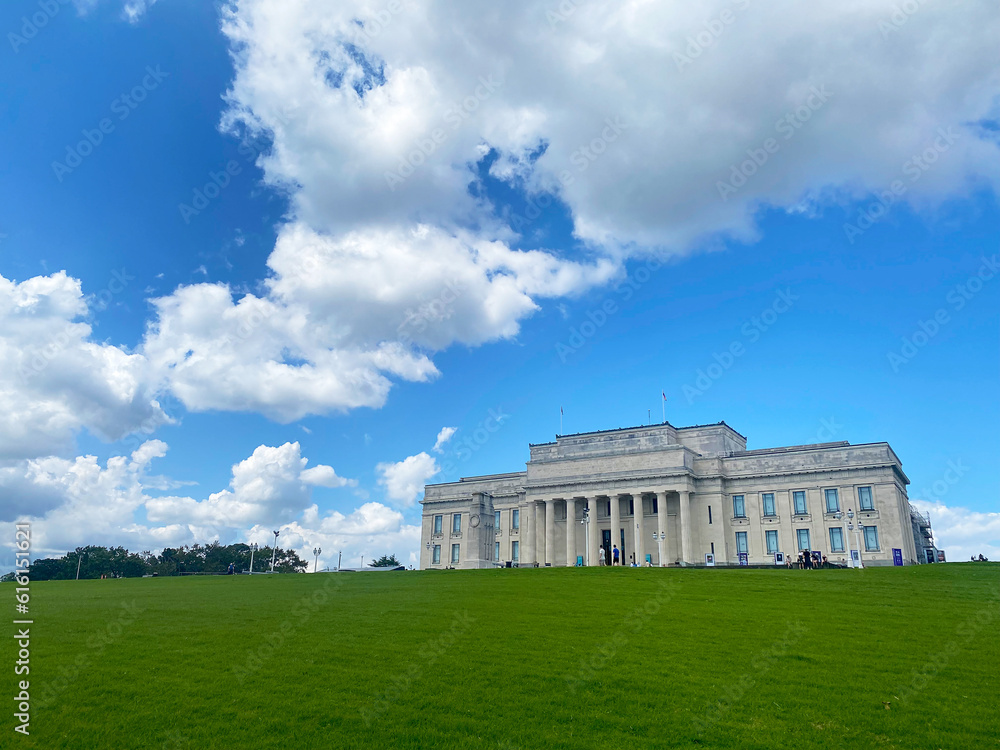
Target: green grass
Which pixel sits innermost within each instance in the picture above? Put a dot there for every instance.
(604, 658)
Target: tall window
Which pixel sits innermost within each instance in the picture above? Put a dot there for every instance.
(739, 508)
(496, 520)
(631, 506)
(655, 507)
(771, 537)
(802, 535)
(709, 515)
(865, 498)
(436, 559)
(515, 519)
(769, 504)
(456, 523)
(515, 551)
(454, 552)
(832, 501)
(799, 501)
(437, 524)
(496, 550)
(871, 538)
(836, 539)
(741, 542)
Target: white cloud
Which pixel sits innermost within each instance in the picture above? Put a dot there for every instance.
(961, 532)
(75, 502)
(404, 481)
(443, 437)
(350, 96)
(135, 9)
(56, 380)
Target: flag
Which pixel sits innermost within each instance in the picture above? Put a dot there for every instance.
(662, 393)
(560, 411)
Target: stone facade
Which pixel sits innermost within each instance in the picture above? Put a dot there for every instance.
(666, 495)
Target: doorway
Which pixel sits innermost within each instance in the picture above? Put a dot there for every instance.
(606, 545)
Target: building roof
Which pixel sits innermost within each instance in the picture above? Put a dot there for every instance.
(642, 427)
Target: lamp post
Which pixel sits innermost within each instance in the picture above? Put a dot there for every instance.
(316, 552)
(253, 548)
(659, 545)
(340, 556)
(854, 529)
(274, 552)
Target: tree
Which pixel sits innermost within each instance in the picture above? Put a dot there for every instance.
(386, 561)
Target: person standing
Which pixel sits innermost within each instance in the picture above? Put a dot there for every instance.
(614, 555)
(601, 553)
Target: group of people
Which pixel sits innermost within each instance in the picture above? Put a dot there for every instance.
(807, 561)
(617, 558)
(981, 558)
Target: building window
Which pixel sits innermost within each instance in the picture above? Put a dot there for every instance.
(496, 550)
(515, 551)
(655, 507)
(871, 538)
(741, 542)
(865, 498)
(832, 501)
(631, 506)
(769, 504)
(609, 509)
(802, 535)
(739, 509)
(771, 537)
(799, 500)
(515, 519)
(496, 520)
(709, 515)
(456, 523)
(436, 558)
(438, 520)
(836, 539)
(454, 552)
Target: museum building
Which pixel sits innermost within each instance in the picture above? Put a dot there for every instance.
(666, 495)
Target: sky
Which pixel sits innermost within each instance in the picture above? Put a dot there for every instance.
(276, 264)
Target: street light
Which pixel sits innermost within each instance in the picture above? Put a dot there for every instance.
(659, 544)
(253, 548)
(854, 529)
(316, 552)
(274, 552)
(586, 535)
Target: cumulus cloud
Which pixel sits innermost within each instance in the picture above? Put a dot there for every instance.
(72, 502)
(443, 437)
(404, 480)
(961, 532)
(630, 113)
(55, 380)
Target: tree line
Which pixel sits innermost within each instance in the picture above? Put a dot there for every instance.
(117, 562)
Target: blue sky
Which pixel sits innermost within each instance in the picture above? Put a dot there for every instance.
(640, 230)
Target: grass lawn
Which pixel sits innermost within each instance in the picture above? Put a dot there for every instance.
(549, 658)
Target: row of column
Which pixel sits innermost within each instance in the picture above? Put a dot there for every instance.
(540, 528)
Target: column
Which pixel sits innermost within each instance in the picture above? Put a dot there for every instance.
(539, 533)
(685, 521)
(593, 533)
(638, 545)
(616, 525)
(527, 534)
(661, 527)
(550, 532)
(570, 532)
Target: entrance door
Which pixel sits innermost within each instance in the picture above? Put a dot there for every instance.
(621, 546)
(606, 545)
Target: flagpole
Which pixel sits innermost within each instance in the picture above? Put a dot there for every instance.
(663, 404)
(560, 420)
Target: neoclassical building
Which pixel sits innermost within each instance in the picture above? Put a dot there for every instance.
(668, 495)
